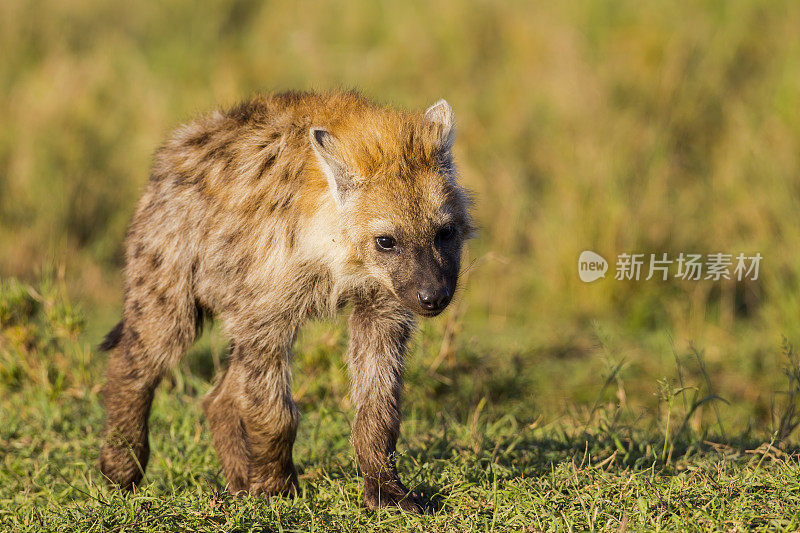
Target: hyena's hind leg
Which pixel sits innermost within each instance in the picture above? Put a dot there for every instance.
(253, 417)
(153, 335)
(228, 433)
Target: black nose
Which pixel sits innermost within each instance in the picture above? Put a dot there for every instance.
(434, 299)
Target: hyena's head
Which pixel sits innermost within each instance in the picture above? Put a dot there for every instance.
(392, 177)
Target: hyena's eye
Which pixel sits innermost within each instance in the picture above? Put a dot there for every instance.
(445, 234)
(385, 243)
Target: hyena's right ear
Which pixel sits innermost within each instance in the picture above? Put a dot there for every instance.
(326, 148)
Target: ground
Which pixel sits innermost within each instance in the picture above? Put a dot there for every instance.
(481, 463)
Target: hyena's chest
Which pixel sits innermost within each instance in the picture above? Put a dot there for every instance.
(283, 261)
(264, 281)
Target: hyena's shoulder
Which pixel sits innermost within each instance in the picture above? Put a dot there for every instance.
(255, 151)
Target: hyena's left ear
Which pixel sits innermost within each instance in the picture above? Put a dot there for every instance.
(441, 114)
(327, 149)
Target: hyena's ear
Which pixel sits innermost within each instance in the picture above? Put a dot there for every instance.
(441, 114)
(327, 149)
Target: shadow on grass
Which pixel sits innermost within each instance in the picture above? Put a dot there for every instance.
(534, 455)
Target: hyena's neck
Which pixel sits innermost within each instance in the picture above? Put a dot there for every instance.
(327, 244)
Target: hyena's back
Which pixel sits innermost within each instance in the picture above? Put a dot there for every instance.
(228, 192)
(226, 195)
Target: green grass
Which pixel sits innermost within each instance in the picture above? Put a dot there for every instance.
(474, 445)
(495, 475)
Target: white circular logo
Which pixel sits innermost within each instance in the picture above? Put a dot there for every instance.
(591, 266)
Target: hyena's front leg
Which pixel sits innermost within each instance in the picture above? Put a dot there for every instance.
(254, 421)
(379, 333)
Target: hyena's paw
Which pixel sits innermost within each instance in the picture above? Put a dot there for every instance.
(123, 465)
(285, 484)
(391, 494)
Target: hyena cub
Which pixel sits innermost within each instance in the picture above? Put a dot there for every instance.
(287, 207)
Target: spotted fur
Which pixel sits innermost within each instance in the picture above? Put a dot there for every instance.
(262, 217)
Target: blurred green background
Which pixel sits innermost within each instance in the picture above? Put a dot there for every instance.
(613, 126)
